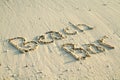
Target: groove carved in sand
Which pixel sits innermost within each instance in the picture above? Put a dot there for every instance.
(55, 35)
(25, 46)
(89, 49)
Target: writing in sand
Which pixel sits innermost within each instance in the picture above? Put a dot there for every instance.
(71, 48)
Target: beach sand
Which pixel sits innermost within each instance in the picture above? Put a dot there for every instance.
(32, 18)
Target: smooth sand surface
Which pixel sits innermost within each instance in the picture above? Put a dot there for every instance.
(31, 18)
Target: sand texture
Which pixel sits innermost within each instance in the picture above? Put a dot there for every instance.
(54, 39)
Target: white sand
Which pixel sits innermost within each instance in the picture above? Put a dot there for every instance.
(31, 18)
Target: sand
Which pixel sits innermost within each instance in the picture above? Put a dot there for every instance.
(32, 18)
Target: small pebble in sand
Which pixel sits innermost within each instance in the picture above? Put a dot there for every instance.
(104, 4)
(78, 69)
(40, 72)
(107, 66)
(39, 18)
(14, 75)
(26, 66)
(89, 10)
(66, 70)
